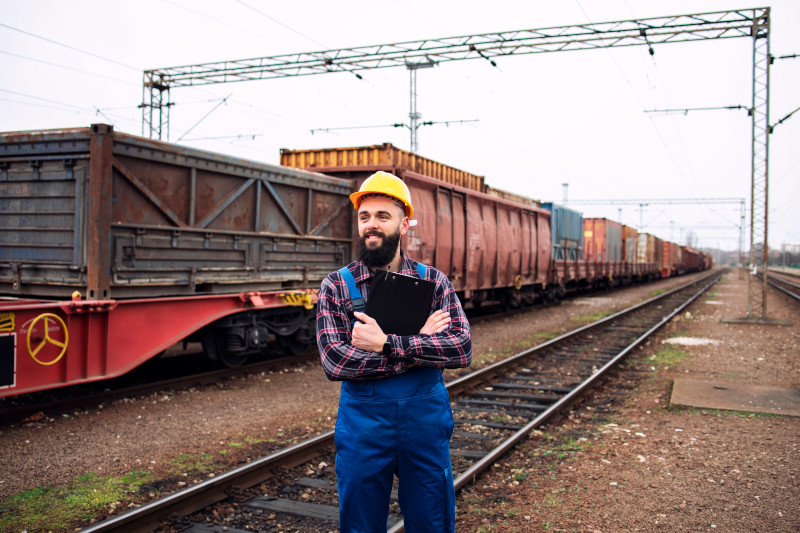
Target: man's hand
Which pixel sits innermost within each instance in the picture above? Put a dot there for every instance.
(367, 334)
(436, 323)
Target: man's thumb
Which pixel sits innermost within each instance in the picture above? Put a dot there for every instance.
(365, 318)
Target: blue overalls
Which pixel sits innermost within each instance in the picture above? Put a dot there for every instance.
(397, 425)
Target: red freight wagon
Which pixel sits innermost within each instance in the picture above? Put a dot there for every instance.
(693, 260)
(671, 261)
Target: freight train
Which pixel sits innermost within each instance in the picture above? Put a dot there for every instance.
(114, 247)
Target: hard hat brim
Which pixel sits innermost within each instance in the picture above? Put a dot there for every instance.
(355, 198)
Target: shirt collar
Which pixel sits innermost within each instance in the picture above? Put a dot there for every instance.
(363, 274)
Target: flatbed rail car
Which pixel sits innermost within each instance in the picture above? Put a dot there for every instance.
(114, 247)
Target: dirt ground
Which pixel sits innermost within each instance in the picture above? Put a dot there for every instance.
(639, 466)
(645, 466)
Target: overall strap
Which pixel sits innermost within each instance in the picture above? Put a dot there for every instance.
(421, 269)
(355, 293)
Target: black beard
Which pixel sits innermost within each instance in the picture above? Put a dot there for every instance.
(382, 255)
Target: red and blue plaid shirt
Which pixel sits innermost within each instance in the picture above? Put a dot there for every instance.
(451, 348)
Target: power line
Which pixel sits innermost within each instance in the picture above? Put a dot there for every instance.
(643, 35)
(68, 68)
(42, 106)
(276, 21)
(665, 201)
(395, 125)
(69, 47)
(204, 117)
(44, 99)
(685, 110)
(218, 21)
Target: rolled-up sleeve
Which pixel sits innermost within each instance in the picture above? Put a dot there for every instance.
(340, 359)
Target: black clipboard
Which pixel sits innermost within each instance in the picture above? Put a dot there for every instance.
(399, 303)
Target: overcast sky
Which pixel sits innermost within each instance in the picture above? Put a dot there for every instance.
(534, 121)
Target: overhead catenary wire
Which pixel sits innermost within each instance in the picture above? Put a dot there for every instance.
(50, 63)
(217, 20)
(639, 100)
(276, 21)
(70, 47)
(204, 117)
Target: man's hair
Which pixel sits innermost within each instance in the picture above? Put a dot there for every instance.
(397, 202)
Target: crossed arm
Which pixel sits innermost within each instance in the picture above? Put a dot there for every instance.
(444, 341)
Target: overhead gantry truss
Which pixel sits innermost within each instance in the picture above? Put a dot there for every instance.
(487, 46)
(753, 23)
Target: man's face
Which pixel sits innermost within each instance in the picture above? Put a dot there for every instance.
(381, 223)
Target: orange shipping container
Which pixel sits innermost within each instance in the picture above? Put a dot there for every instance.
(602, 240)
(630, 239)
(352, 161)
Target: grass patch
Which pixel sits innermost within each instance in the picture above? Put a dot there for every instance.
(194, 462)
(545, 335)
(594, 317)
(667, 358)
(657, 292)
(62, 508)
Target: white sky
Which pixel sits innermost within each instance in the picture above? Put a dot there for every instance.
(542, 119)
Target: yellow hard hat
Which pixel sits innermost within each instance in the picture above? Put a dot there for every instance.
(387, 184)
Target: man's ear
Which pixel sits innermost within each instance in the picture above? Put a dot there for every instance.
(404, 226)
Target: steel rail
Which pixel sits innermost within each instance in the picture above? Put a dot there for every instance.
(184, 502)
(206, 493)
(784, 285)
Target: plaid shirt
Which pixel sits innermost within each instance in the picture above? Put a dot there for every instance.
(451, 348)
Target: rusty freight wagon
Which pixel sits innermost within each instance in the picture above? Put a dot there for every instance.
(114, 247)
(671, 260)
(692, 260)
(491, 248)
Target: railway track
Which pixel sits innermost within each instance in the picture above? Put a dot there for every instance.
(786, 283)
(494, 408)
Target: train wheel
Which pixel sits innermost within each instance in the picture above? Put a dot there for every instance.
(291, 346)
(232, 359)
(301, 340)
(214, 346)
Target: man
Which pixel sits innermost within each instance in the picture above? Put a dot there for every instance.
(394, 411)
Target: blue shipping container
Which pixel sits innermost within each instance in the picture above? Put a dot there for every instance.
(566, 232)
